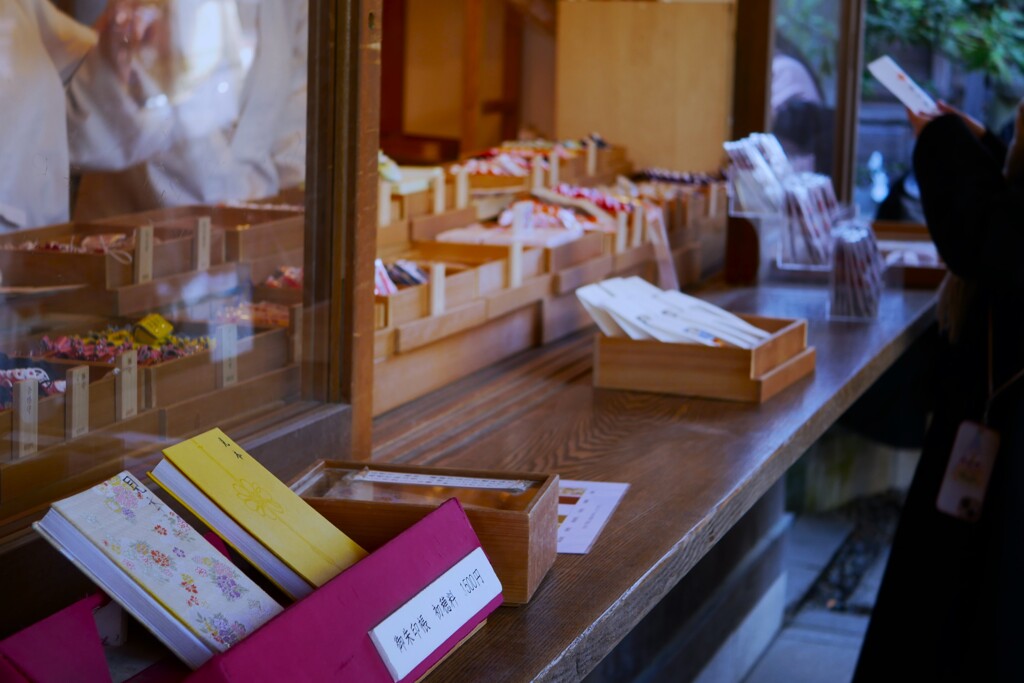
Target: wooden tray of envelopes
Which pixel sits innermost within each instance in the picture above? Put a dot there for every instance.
(730, 373)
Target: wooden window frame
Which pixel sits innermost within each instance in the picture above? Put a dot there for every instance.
(343, 132)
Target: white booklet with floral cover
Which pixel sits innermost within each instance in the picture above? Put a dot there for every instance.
(156, 566)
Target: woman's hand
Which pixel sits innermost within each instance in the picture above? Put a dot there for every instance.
(973, 124)
(919, 120)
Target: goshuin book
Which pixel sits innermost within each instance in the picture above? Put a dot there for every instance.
(148, 559)
(255, 513)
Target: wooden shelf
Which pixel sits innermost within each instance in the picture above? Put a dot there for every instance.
(695, 467)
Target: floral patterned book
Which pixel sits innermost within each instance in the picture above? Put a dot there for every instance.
(157, 567)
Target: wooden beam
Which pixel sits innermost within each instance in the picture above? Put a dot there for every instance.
(755, 42)
(392, 67)
(850, 66)
(541, 12)
(472, 39)
(512, 73)
(343, 138)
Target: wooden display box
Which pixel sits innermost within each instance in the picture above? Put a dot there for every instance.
(590, 246)
(172, 254)
(479, 181)
(259, 351)
(51, 418)
(260, 269)
(518, 531)
(286, 296)
(730, 373)
(249, 233)
(925, 276)
(395, 235)
(172, 290)
(414, 302)
(588, 272)
(401, 377)
(474, 271)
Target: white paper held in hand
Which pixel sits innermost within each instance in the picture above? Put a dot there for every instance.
(913, 97)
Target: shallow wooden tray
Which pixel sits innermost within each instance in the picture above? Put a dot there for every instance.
(249, 233)
(925, 276)
(753, 375)
(172, 254)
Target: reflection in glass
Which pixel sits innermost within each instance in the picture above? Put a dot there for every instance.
(232, 74)
(154, 162)
(803, 86)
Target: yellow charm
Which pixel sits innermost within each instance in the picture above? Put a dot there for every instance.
(152, 330)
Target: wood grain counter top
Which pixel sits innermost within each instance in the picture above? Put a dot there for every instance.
(694, 466)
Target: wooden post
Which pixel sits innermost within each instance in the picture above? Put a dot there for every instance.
(553, 169)
(437, 276)
(437, 185)
(462, 189)
(621, 233)
(591, 158)
(637, 234)
(384, 204)
(295, 334)
(76, 402)
(537, 172)
(515, 264)
(472, 46)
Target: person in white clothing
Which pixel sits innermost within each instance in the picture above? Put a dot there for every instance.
(61, 81)
(236, 148)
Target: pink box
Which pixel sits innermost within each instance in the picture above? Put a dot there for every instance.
(326, 635)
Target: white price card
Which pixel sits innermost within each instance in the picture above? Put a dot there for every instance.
(420, 626)
(896, 80)
(584, 507)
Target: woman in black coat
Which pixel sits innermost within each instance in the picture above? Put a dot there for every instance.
(951, 604)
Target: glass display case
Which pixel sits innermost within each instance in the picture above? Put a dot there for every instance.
(181, 216)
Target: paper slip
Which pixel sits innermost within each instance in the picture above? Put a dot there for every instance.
(902, 86)
(584, 507)
(634, 308)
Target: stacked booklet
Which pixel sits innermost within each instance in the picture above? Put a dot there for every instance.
(148, 559)
(164, 573)
(255, 513)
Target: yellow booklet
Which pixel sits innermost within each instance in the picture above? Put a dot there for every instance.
(261, 504)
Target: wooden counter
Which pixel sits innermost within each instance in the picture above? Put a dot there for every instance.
(695, 467)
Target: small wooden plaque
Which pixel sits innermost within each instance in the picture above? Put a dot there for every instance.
(126, 387)
(26, 418)
(226, 355)
(76, 402)
(143, 259)
(201, 244)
